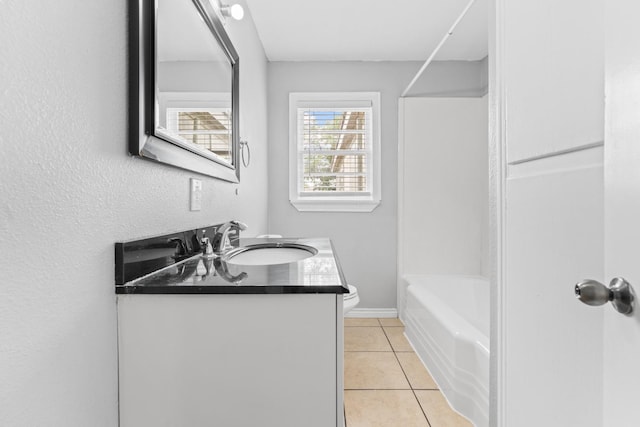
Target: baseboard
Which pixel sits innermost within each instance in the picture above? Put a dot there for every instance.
(373, 312)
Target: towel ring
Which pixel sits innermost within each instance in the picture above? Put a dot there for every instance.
(245, 161)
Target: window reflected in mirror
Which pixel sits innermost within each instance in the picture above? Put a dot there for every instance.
(208, 129)
(203, 120)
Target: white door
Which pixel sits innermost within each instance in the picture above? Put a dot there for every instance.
(622, 208)
(570, 204)
(549, 79)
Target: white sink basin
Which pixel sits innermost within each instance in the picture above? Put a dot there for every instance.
(269, 253)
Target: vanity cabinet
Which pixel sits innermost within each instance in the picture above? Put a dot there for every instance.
(231, 360)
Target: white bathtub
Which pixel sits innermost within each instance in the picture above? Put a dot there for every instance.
(447, 322)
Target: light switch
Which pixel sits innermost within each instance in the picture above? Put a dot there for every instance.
(195, 200)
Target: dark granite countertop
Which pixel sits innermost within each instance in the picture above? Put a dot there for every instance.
(320, 273)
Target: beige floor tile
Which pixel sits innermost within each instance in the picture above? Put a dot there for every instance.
(373, 370)
(365, 338)
(357, 321)
(383, 408)
(397, 338)
(438, 410)
(418, 376)
(391, 321)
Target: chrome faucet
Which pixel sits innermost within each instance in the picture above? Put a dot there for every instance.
(207, 249)
(220, 241)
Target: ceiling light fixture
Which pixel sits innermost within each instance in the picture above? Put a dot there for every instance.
(234, 11)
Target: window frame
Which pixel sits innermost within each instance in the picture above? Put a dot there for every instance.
(335, 201)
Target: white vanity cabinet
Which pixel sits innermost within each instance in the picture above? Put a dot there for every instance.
(231, 360)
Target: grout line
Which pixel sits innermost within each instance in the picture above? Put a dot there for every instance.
(378, 389)
(389, 341)
(401, 368)
(344, 408)
(367, 326)
(371, 351)
(421, 408)
(413, 391)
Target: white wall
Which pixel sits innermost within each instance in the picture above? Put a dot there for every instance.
(444, 189)
(452, 79)
(365, 242)
(171, 78)
(69, 191)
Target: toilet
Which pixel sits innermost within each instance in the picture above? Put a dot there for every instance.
(351, 299)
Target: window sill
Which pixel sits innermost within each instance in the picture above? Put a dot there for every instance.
(335, 205)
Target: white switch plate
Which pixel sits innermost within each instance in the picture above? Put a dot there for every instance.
(195, 200)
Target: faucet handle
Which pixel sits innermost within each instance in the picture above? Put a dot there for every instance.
(196, 245)
(207, 249)
(221, 238)
(240, 225)
(180, 248)
(236, 229)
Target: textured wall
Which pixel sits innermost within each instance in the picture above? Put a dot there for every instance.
(69, 191)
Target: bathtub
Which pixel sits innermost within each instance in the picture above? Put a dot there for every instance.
(447, 322)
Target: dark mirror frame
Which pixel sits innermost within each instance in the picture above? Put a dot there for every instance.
(143, 141)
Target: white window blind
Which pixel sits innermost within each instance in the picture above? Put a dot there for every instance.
(334, 140)
(334, 150)
(208, 128)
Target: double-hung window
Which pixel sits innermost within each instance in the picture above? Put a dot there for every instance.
(334, 155)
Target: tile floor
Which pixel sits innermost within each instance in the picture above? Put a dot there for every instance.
(385, 382)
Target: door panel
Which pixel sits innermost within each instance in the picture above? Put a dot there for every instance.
(549, 345)
(553, 71)
(549, 82)
(553, 344)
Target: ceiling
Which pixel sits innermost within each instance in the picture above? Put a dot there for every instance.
(369, 30)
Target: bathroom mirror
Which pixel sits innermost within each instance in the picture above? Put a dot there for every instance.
(183, 87)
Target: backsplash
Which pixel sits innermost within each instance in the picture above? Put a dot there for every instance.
(137, 258)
